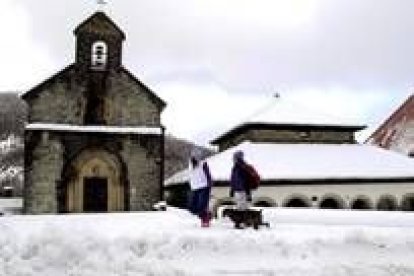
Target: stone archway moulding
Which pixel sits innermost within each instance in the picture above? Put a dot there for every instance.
(95, 163)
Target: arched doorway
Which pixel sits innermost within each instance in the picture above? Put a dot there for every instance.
(262, 203)
(407, 203)
(387, 203)
(94, 183)
(297, 202)
(361, 203)
(331, 202)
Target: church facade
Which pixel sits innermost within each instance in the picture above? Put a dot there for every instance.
(94, 140)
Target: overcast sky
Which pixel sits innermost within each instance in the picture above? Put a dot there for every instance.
(215, 60)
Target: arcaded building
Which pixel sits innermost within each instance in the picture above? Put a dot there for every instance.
(309, 160)
(94, 138)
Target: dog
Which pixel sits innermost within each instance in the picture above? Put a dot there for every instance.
(247, 217)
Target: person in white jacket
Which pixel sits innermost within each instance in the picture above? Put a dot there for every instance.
(200, 185)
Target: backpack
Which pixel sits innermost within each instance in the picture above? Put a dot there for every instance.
(253, 178)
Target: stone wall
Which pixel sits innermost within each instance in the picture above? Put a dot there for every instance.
(125, 102)
(288, 136)
(48, 167)
(43, 166)
(129, 104)
(141, 155)
(98, 27)
(61, 101)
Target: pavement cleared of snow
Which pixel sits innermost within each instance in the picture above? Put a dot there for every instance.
(299, 242)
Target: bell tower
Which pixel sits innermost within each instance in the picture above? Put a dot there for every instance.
(98, 53)
(98, 44)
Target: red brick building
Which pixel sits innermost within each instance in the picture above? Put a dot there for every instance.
(397, 132)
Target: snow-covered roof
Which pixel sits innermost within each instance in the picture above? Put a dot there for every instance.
(284, 112)
(293, 162)
(100, 129)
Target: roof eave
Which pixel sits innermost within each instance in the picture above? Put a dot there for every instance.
(27, 94)
(284, 125)
(160, 101)
(107, 18)
(310, 181)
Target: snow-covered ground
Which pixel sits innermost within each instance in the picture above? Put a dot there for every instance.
(11, 143)
(11, 205)
(11, 173)
(299, 242)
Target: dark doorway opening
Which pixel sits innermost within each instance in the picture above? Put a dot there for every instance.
(330, 203)
(95, 194)
(296, 202)
(262, 203)
(387, 203)
(360, 204)
(408, 203)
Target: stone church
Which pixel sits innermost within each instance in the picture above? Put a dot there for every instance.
(94, 140)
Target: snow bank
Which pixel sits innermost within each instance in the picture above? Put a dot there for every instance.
(299, 242)
(13, 205)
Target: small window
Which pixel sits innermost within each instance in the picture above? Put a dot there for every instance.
(99, 56)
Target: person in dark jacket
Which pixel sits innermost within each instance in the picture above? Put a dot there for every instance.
(238, 182)
(200, 185)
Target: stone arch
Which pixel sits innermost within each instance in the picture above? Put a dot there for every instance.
(93, 165)
(297, 201)
(264, 202)
(407, 203)
(387, 203)
(99, 56)
(332, 201)
(361, 203)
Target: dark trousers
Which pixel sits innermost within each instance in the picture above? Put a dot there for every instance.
(198, 202)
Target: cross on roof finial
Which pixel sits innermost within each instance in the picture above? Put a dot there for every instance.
(101, 4)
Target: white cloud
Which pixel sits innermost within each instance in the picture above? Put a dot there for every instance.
(279, 14)
(23, 63)
(200, 111)
(347, 57)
